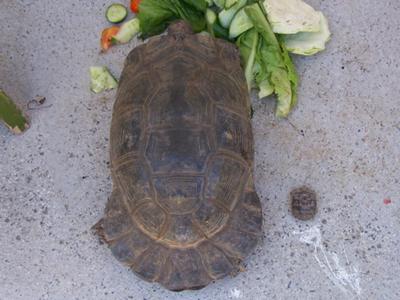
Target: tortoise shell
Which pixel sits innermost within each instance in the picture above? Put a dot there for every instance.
(183, 211)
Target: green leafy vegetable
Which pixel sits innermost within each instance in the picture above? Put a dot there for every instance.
(291, 16)
(11, 115)
(274, 63)
(200, 5)
(226, 15)
(247, 44)
(240, 23)
(308, 43)
(292, 74)
(155, 15)
(261, 74)
(252, 25)
(266, 89)
(230, 3)
(221, 32)
(220, 3)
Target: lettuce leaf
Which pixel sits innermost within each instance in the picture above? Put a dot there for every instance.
(226, 16)
(291, 16)
(220, 3)
(261, 74)
(230, 3)
(274, 67)
(155, 15)
(308, 43)
(247, 44)
(240, 23)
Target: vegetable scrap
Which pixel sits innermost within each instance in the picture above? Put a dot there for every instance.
(156, 15)
(106, 37)
(135, 6)
(265, 31)
(101, 80)
(11, 115)
(309, 43)
(116, 13)
(126, 32)
(119, 34)
(291, 16)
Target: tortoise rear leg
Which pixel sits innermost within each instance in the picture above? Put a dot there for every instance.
(115, 222)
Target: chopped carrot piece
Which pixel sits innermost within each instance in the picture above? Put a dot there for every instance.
(106, 37)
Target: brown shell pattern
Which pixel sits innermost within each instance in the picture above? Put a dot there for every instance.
(303, 203)
(184, 211)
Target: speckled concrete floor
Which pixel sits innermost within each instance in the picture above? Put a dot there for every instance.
(343, 140)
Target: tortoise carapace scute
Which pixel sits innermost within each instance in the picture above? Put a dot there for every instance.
(183, 211)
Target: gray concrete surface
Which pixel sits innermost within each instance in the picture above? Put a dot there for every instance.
(343, 140)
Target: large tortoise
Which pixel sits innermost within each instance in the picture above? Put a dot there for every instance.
(183, 211)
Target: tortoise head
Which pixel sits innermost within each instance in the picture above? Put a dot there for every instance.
(180, 29)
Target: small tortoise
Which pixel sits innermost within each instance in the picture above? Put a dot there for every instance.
(303, 203)
(183, 211)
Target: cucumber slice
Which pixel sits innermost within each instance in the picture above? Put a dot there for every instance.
(127, 32)
(116, 13)
(101, 80)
